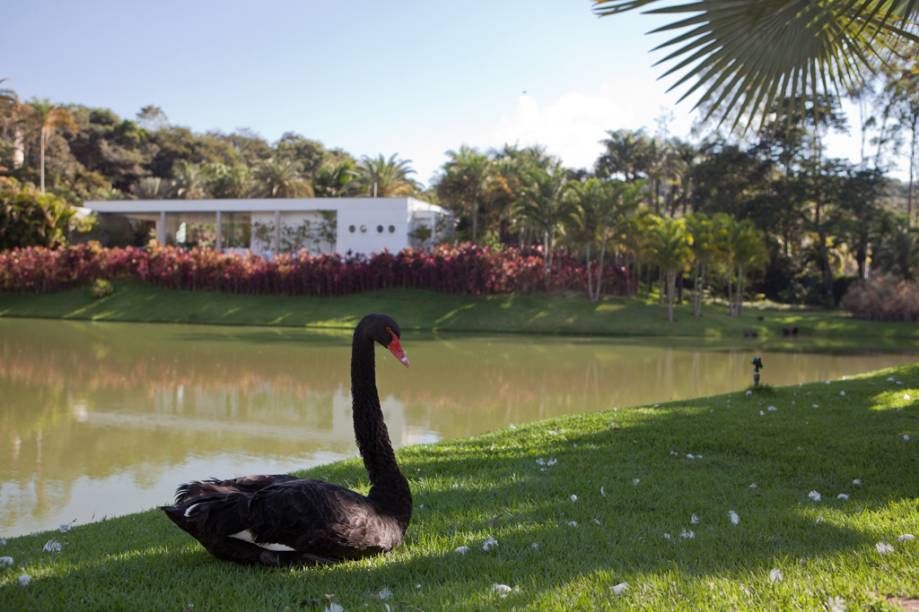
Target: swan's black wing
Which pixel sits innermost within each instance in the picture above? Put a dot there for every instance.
(291, 521)
(322, 519)
(214, 486)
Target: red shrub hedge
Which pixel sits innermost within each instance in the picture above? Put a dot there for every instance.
(466, 268)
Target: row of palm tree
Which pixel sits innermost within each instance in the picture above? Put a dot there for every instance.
(279, 177)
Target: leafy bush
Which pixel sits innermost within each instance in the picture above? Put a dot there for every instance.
(30, 218)
(465, 268)
(884, 299)
(102, 288)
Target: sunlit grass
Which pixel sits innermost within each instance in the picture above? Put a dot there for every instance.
(431, 311)
(515, 486)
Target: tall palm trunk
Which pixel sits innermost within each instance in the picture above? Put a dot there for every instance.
(42, 139)
(671, 287)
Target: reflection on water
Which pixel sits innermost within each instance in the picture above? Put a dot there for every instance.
(104, 419)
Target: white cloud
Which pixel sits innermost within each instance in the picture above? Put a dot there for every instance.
(572, 125)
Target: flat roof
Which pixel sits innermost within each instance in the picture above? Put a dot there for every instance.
(258, 205)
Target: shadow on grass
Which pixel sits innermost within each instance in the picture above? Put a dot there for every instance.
(493, 486)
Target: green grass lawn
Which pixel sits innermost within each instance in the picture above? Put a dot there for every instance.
(636, 489)
(430, 311)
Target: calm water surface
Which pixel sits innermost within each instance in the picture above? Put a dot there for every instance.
(105, 419)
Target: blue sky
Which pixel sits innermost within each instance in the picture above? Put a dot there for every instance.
(408, 77)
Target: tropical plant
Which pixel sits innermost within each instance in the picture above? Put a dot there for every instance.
(745, 252)
(152, 188)
(708, 234)
(669, 246)
(335, 179)
(29, 218)
(188, 181)
(745, 54)
(227, 181)
(45, 117)
(281, 178)
(542, 204)
(463, 183)
(382, 177)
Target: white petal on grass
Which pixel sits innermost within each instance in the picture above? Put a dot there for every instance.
(819, 519)
(24, 580)
(501, 590)
(334, 607)
(52, 546)
(540, 461)
(890, 379)
(573, 497)
(857, 482)
(771, 409)
(535, 545)
(749, 393)
(667, 536)
(635, 481)
(6, 562)
(687, 534)
(815, 405)
(906, 537)
(883, 548)
(602, 492)
(596, 521)
(843, 496)
(690, 456)
(620, 588)
(461, 550)
(775, 575)
(836, 604)
(814, 496)
(64, 528)
(735, 518)
(551, 462)
(572, 523)
(906, 396)
(385, 593)
(842, 393)
(905, 437)
(489, 543)
(753, 485)
(761, 413)
(694, 519)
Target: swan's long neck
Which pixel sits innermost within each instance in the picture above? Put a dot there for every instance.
(389, 488)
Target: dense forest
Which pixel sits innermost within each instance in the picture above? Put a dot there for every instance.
(648, 202)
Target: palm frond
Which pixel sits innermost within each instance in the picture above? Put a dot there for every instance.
(740, 56)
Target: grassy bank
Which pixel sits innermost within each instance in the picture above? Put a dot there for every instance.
(637, 489)
(430, 311)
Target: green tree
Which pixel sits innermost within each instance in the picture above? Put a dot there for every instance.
(464, 182)
(227, 181)
(745, 252)
(382, 177)
(30, 218)
(336, 179)
(707, 233)
(188, 181)
(281, 178)
(45, 118)
(542, 204)
(669, 245)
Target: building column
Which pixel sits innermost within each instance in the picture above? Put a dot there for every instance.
(276, 243)
(219, 237)
(161, 228)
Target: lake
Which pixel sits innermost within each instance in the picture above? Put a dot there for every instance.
(105, 419)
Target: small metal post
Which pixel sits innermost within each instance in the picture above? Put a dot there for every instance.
(757, 364)
(161, 229)
(219, 236)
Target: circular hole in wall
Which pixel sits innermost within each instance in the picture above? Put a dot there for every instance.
(351, 228)
(363, 229)
(392, 229)
(379, 229)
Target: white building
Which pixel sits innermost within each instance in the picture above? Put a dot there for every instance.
(267, 226)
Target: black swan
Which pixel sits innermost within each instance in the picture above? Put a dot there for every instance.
(283, 520)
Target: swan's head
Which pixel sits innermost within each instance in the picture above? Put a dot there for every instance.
(384, 329)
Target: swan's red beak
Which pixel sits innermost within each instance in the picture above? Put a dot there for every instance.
(395, 347)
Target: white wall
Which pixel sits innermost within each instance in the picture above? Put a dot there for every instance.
(370, 214)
